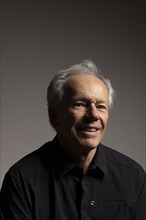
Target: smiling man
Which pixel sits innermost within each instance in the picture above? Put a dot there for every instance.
(82, 118)
(74, 176)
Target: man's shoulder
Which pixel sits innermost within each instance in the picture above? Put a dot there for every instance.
(32, 172)
(34, 161)
(120, 160)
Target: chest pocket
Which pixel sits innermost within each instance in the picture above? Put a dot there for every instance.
(111, 210)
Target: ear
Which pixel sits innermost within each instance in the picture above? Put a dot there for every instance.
(53, 116)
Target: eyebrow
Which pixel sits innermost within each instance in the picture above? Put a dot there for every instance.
(88, 100)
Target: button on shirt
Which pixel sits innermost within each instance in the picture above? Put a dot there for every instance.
(47, 185)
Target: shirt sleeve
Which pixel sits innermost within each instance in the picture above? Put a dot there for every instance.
(15, 198)
(140, 209)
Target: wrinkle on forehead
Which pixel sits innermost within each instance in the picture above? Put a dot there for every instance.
(85, 85)
(84, 82)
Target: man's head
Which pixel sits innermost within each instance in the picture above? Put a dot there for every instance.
(79, 99)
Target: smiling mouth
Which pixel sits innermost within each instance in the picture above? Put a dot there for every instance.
(89, 130)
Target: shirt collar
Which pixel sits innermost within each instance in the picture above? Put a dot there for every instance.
(99, 160)
(64, 163)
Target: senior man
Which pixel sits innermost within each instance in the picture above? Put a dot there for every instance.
(74, 176)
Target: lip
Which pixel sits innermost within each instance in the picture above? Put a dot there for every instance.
(89, 130)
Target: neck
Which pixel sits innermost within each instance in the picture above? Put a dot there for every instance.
(85, 161)
(80, 155)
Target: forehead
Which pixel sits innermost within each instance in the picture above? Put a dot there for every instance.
(82, 81)
(85, 85)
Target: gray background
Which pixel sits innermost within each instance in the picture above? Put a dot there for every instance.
(38, 38)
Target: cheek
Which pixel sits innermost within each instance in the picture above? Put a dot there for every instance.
(104, 120)
(66, 119)
(72, 119)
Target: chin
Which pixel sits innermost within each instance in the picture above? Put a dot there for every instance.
(90, 144)
(90, 141)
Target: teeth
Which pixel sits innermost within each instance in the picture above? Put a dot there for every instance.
(91, 129)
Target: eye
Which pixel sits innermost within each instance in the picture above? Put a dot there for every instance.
(79, 104)
(101, 107)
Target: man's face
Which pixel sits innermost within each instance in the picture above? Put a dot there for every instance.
(83, 113)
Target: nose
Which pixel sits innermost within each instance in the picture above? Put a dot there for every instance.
(93, 112)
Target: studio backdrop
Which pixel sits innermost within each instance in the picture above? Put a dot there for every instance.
(38, 38)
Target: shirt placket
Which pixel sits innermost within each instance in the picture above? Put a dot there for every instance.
(87, 202)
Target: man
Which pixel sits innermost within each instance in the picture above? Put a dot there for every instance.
(75, 177)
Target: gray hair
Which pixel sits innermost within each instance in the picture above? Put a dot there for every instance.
(55, 89)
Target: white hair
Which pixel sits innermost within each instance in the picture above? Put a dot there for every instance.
(56, 86)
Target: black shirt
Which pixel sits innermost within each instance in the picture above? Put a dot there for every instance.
(47, 185)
